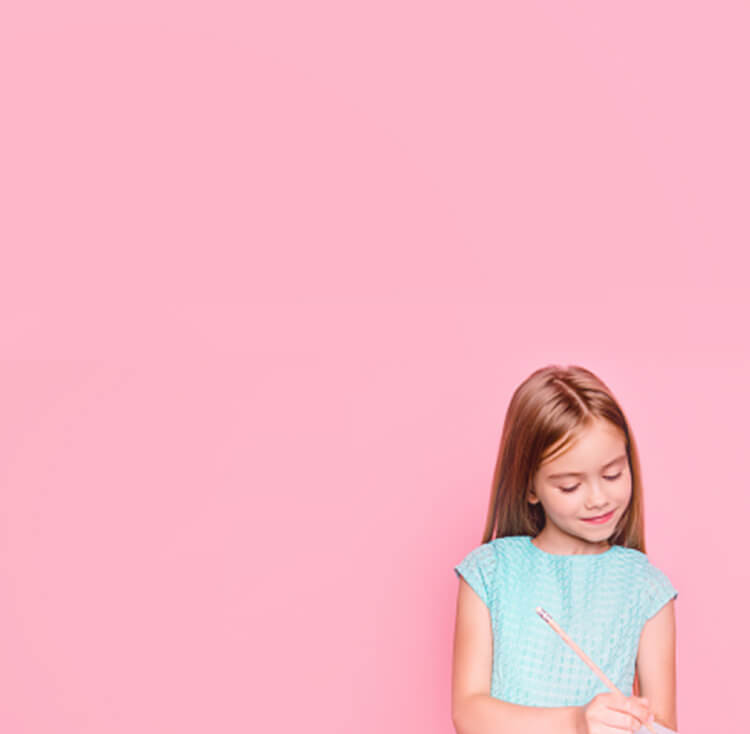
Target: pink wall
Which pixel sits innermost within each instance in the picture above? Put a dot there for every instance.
(269, 277)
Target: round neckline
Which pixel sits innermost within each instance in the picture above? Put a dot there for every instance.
(547, 554)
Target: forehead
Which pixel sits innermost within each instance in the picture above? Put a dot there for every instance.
(594, 447)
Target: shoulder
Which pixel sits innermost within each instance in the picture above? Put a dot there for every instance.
(634, 562)
(658, 590)
(496, 550)
(654, 585)
(638, 562)
(481, 558)
(481, 566)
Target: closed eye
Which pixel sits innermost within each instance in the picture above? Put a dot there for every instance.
(608, 478)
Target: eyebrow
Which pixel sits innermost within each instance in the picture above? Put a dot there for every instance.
(578, 474)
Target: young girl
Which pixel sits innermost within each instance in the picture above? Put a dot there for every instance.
(564, 531)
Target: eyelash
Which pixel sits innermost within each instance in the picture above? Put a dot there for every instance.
(611, 479)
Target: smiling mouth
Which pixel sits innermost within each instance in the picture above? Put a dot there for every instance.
(599, 517)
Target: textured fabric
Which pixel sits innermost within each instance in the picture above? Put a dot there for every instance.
(601, 600)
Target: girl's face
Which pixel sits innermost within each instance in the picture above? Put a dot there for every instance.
(590, 479)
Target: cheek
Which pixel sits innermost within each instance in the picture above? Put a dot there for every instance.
(568, 504)
(624, 490)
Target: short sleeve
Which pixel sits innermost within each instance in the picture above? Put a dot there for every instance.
(657, 592)
(478, 569)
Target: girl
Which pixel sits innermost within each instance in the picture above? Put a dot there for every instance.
(564, 531)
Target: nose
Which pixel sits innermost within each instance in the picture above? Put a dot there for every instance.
(595, 497)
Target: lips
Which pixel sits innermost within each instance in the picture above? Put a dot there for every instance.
(599, 518)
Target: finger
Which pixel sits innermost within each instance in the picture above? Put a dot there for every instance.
(644, 713)
(635, 712)
(632, 706)
(619, 721)
(642, 716)
(626, 705)
(640, 712)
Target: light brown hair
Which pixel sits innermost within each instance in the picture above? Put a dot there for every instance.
(546, 414)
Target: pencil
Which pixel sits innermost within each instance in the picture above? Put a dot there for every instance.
(581, 654)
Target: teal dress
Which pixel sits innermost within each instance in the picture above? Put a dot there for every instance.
(600, 600)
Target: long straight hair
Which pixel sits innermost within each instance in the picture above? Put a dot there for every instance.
(547, 413)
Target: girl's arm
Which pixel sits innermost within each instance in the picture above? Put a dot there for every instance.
(483, 714)
(473, 709)
(655, 665)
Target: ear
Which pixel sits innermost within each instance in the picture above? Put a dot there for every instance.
(531, 497)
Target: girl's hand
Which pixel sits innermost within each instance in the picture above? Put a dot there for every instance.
(611, 713)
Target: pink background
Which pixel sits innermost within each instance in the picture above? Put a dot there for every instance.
(270, 273)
